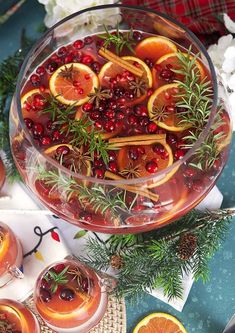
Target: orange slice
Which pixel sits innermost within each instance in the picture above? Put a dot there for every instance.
(169, 61)
(72, 161)
(158, 323)
(162, 156)
(154, 48)
(161, 108)
(111, 70)
(72, 83)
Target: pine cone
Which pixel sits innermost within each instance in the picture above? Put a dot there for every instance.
(187, 246)
(116, 261)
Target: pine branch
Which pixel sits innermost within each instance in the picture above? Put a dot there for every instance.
(152, 260)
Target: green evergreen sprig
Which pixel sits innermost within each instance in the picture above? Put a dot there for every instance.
(152, 260)
(56, 279)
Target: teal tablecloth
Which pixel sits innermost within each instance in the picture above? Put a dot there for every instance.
(210, 305)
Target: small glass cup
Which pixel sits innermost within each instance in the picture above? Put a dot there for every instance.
(17, 318)
(70, 297)
(11, 256)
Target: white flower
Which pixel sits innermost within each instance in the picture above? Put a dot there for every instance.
(59, 9)
(229, 24)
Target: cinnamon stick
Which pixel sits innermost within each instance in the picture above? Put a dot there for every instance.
(121, 62)
(144, 192)
(137, 140)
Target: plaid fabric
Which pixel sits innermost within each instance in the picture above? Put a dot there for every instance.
(200, 16)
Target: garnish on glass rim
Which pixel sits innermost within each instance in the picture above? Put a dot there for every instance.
(119, 40)
(99, 95)
(56, 279)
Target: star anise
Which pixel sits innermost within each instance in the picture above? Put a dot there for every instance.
(76, 159)
(159, 115)
(138, 86)
(99, 95)
(131, 171)
(68, 72)
(77, 275)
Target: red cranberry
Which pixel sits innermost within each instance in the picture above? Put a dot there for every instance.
(77, 56)
(56, 135)
(171, 138)
(62, 150)
(158, 149)
(62, 51)
(51, 67)
(133, 154)
(141, 150)
(38, 129)
(44, 284)
(28, 122)
(109, 126)
(112, 155)
(50, 125)
(94, 115)
(98, 163)
(152, 127)
(87, 107)
(102, 107)
(179, 154)
(143, 121)
(67, 294)
(38, 100)
(190, 172)
(217, 165)
(99, 124)
(179, 144)
(40, 70)
(150, 92)
(88, 40)
(86, 216)
(113, 167)
(113, 105)
(45, 295)
(151, 166)
(42, 88)
(119, 91)
(164, 155)
(141, 110)
(109, 113)
(170, 109)
(99, 173)
(137, 35)
(149, 62)
(197, 185)
(35, 79)
(78, 44)
(120, 115)
(167, 75)
(138, 130)
(96, 66)
(59, 268)
(87, 59)
(46, 140)
(68, 59)
(161, 131)
(129, 95)
(132, 119)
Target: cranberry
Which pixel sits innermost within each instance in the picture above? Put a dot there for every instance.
(99, 173)
(129, 95)
(120, 115)
(62, 150)
(28, 122)
(102, 107)
(50, 125)
(112, 155)
(78, 44)
(77, 56)
(179, 154)
(197, 185)
(68, 59)
(62, 51)
(56, 135)
(152, 127)
(87, 59)
(141, 110)
(149, 62)
(94, 115)
(96, 66)
(141, 150)
(67, 294)
(190, 172)
(109, 113)
(87, 107)
(98, 163)
(109, 126)
(99, 124)
(161, 131)
(158, 149)
(51, 67)
(38, 100)
(85, 285)
(164, 155)
(113, 167)
(137, 35)
(59, 268)
(119, 91)
(46, 140)
(143, 121)
(171, 138)
(151, 166)
(35, 79)
(88, 40)
(133, 154)
(167, 75)
(45, 295)
(150, 92)
(180, 144)
(40, 70)
(38, 129)
(42, 88)
(132, 119)
(86, 216)
(138, 208)
(170, 109)
(113, 105)
(217, 165)
(44, 284)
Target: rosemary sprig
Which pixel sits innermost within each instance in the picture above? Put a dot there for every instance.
(118, 39)
(99, 95)
(56, 279)
(195, 99)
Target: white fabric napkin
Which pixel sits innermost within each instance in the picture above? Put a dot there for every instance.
(52, 247)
